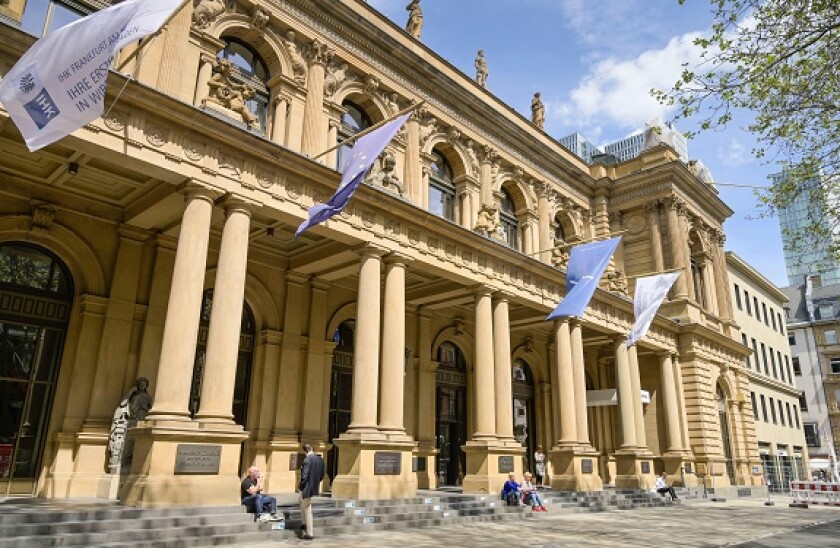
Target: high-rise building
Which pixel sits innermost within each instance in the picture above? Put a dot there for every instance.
(630, 147)
(773, 394)
(805, 260)
(580, 146)
(813, 325)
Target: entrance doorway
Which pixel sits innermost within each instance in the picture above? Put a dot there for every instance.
(451, 415)
(36, 296)
(524, 423)
(723, 415)
(341, 391)
(243, 360)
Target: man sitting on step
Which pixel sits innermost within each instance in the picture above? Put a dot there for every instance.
(662, 487)
(264, 506)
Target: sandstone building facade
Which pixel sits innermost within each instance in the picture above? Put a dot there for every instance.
(405, 339)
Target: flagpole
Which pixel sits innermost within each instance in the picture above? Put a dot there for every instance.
(414, 106)
(656, 272)
(572, 244)
(145, 41)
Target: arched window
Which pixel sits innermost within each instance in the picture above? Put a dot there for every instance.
(352, 122)
(559, 233)
(507, 216)
(41, 17)
(249, 69)
(441, 188)
(449, 355)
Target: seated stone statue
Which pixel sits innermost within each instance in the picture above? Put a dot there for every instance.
(486, 223)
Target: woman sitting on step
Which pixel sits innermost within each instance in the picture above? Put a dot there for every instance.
(530, 494)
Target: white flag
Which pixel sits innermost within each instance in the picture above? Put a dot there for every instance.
(650, 291)
(59, 85)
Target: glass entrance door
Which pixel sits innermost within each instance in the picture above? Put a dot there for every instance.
(451, 435)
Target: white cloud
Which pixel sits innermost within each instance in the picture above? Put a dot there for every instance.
(616, 93)
(733, 153)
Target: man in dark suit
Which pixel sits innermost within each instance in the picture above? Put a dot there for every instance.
(311, 474)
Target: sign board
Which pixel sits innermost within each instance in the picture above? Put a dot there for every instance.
(745, 492)
(645, 396)
(756, 469)
(505, 464)
(197, 459)
(645, 467)
(586, 466)
(296, 460)
(387, 463)
(609, 396)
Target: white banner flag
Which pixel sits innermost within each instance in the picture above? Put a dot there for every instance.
(59, 85)
(650, 292)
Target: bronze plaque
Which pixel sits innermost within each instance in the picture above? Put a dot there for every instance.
(197, 459)
(687, 468)
(505, 465)
(645, 467)
(296, 460)
(586, 466)
(387, 464)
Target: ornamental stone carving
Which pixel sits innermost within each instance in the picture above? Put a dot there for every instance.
(489, 154)
(391, 100)
(427, 129)
(43, 215)
(414, 26)
(383, 174)
(318, 53)
(487, 222)
(560, 254)
(336, 75)
(481, 69)
(229, 94)
(259, 19)
(371, 84)
(453, 134)
(616, 282)
(297, 60)
(471, 154)
(206, 11)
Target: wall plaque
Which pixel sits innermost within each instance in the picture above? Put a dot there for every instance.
(586, 466)
(745, 492)
(295, 460)
(418, 464)
(505, 464)
(688, 468)
(645, 467)
(756, 469)
(387, 464)
(197, 459)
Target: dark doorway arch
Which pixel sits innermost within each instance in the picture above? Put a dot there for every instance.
(244, 360)
(36, 296)
(451, 414)
(341, 390)
(726, 438)
(524, 410)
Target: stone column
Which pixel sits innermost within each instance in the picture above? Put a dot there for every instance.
(544, 222)
(676, 238)
(709, 282)
(392, 396)
(625, 393)
(278, 120)
(724, 297)
(501, 356)
(314, 121)
(685, 229)
(485, 404)
(176, 39)
(615, 227)
(366, 351)
(217, 385)
(601, 217)
(412, 174)
(426, 395)
(205, 71)
(636, 392)
(565, 378)
(579, 373)
(156, 310)
(655, 235)
(488, 158)
(180, 332)
(669, 401)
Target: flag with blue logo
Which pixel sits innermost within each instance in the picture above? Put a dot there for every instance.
(586, 266)
(366, 150)
(59, 84)
(649, 294)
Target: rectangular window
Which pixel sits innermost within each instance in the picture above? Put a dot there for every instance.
(789, 414)
(41, 18)
(738, 296)
(787, 366)
(796, 415)
(782, 413)
(831, 337)
(747, 300)
(812, 435)
(764, 359)
(755, 407)
(835, 365)
(755, 356)
(803, 402)
(773, 320)
(773, 411)
(744, 342)
(781, 324)
(797, 369)
(763, 408)
(773, 363)
(781, 369)
(764, 308)
(757, 309)
(791, 338)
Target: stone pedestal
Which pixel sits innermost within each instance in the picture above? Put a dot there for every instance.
(634, 470)
(155, 481)
(675, 464)
(374, 469)
(282, 469)
(426, 476)
(488, 465)
(575, 469)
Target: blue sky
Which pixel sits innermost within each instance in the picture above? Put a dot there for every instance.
(594, 62)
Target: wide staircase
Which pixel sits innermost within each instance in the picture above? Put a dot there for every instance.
(28, 523)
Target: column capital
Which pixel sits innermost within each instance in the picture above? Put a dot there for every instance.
(318, 53)
(129, 232)
(652, 207)
(232, 203)
(370, 249)
(501, 296)
(398, 258)
(193, 190)
(484, 290)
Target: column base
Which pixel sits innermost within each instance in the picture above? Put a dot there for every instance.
(284, 455)
(575, 469)
(211, 475)
(488, 464)
(680, 469)
(357, 468)
(81, 461)
(634, 470)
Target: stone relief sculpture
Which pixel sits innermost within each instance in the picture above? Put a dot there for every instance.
(259, 19)
(616, 282)
(384, 173)
(560, 254)
(538, 111)
(205, 11)
(415, 19)
(133, 408)
(297, 60)
(471, 154)
(487, 222)
(229, 94)
(336, 75)
(481, 68)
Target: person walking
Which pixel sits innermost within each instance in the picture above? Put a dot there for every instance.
(311, 474)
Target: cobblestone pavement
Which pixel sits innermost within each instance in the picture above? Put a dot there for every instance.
(698, 524)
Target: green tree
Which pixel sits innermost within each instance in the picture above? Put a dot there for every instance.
(779, 60)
